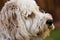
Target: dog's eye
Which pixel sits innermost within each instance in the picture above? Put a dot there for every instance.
(49, 22)
(32, 15)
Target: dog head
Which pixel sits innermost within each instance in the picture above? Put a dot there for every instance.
(41, 25)
(37, 24)
(31, 22)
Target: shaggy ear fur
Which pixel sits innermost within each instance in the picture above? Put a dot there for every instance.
(11, 18)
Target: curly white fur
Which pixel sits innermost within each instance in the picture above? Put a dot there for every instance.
(22, 20)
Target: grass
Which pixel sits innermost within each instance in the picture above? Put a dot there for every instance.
(55, 35)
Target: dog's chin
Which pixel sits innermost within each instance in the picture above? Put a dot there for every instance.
(43, 34)
(46, 32)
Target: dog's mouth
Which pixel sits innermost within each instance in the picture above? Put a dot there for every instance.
(52, 27)
(43, 34)
(38, 33)
(46, 32)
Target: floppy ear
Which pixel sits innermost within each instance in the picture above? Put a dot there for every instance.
(11, 13)
(8, 10)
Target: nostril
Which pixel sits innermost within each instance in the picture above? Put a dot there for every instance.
(49, 22)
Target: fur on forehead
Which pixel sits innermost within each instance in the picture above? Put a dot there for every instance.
(27, 8)
(48, 16)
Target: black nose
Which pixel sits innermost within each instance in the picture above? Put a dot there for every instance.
(49, 22)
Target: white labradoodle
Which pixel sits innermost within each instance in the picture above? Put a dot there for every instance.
(22, 20)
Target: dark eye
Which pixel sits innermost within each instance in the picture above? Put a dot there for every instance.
(49, 22)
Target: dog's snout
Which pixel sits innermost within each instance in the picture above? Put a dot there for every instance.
(49, 22)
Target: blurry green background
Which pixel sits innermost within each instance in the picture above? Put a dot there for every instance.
(55, 35)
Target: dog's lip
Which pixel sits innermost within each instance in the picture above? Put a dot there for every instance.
(38, 33)
(52, 27)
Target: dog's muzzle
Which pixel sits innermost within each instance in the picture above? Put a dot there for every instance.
(50, 24)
